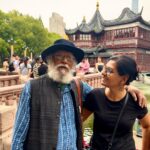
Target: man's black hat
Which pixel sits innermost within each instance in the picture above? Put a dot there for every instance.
(65, 45)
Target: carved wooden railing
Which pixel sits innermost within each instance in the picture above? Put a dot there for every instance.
(10, 94)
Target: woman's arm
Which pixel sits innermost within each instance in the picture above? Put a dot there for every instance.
(85, 114)
(145, 123)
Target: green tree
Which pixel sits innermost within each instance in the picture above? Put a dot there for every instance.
(3, 50)
(53, 37)
(25, 32)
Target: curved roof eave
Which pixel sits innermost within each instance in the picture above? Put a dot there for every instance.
(127, 16)
(145, 22)
(71, 31)
(97, 23)
(138, 19)
(84, 30)
(121, 22)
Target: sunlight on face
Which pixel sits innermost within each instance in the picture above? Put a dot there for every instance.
(110, 76)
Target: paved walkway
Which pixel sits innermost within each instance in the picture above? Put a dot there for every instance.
(138, 142)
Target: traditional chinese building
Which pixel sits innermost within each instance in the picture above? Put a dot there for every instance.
(129, 34)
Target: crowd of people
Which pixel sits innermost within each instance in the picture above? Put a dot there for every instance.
(49, 110)
(28, 69)
(25, 67)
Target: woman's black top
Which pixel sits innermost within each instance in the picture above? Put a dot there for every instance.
(105, 116)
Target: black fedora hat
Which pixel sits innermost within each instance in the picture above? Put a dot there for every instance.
(65, 45)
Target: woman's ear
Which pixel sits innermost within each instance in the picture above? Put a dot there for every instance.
(125, 79)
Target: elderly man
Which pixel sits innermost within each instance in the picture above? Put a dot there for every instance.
(48, 115)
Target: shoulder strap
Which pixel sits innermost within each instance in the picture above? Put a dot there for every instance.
(116, 125)
(79, 85)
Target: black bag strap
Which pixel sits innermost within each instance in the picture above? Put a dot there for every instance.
(116, 125)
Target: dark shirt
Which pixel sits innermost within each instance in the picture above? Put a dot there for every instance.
(105, 116)
(42, 69)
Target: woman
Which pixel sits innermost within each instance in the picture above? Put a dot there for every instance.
(83, 67)
(25, 70)
(99, 65)
(107, 102)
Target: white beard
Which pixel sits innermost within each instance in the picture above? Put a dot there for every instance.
(60, 73)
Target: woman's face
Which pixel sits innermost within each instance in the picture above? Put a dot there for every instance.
(110, 76)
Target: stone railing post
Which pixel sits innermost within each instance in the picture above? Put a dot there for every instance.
(7, 116)
(93, 80)
(10, 95)
(9, 80)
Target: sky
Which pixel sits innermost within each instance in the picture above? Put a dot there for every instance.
(72, 11)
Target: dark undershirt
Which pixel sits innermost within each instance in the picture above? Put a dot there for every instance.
(105, 115)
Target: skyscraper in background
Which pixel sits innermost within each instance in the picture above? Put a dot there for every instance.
(135, 6)
(56, 24)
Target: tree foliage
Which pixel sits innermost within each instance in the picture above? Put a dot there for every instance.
(3, 50)
(24, 32)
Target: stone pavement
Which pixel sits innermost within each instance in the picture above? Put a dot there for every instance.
(138, 142)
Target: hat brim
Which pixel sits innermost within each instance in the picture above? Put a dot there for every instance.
(77, 52)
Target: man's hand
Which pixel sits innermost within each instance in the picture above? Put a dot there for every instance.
(137, 95)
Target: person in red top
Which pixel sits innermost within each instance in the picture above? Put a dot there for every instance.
(83, 67)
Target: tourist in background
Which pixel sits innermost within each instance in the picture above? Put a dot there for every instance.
(16, 62)
(43, 69)
(83, 67)
(99, 65)
(36, 66)
(6, 64)
(106, 104)
(25, 70)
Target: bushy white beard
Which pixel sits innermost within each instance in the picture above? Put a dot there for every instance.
(61, 75)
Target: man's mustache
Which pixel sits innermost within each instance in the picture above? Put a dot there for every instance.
(63, 65)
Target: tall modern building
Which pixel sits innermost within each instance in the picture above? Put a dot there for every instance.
(56, 24)
(135, 6)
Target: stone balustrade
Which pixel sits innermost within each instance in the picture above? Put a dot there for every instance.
(92, 79)
(9, 80)
(10, 95)
(3, 72)
(7, 116)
